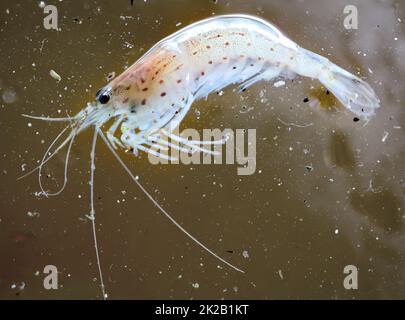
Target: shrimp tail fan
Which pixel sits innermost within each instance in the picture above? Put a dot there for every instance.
(354, 93)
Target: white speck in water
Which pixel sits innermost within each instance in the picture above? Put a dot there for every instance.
(245, 254)
(385, 136)
(280, 273)
(178, 24)
(29, 124)
(55, 75)
(336, 231)
(41, 4)
(33, 214)
(279, 83)
(195, 285)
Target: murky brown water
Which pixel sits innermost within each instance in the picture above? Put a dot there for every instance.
(323, 196)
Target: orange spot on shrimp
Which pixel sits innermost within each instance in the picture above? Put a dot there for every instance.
(178, 81)
(145, 89)
(163, 94)
(161, 81)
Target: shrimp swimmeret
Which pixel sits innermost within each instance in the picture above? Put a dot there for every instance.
(151, 98)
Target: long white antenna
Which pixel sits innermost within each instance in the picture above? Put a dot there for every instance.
(160, 208)
(92, 216)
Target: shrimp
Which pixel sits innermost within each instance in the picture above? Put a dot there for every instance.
(152, 97)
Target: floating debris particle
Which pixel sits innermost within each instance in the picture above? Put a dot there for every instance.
(195, 285)
(22, 285)
(33, 214)
(111, 76)
(279, 83)
(245, 254)
(336, 231)
(385, 136)
(280, 273)
(55, 75)
(9, 96)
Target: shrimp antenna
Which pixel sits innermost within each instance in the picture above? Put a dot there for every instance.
(52, 154)
(92, 215)
(65, 119)
(157, 205)
(70, 138)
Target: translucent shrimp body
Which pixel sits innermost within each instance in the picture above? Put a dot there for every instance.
(151, 98)
(157, 91)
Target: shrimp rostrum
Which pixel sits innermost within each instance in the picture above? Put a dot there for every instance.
(150, 99)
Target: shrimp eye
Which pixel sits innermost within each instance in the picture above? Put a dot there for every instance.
(104, 98)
